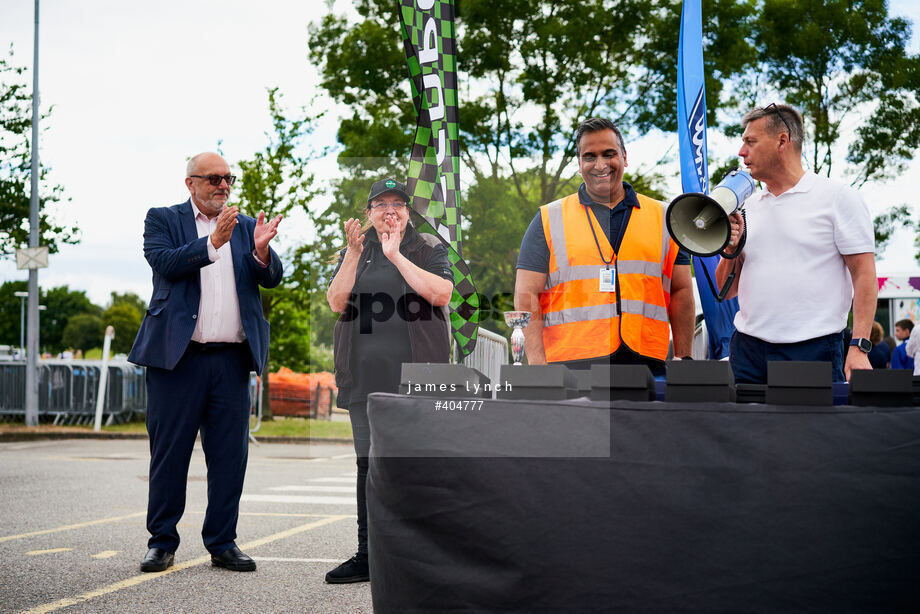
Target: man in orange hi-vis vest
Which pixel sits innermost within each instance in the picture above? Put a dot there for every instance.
(601, 276)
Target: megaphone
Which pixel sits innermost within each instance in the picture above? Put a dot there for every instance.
(699, 223)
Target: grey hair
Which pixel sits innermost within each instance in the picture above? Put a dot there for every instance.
(776, 123)
(596, 124)
(192, 165)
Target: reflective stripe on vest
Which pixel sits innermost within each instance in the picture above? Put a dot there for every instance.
(581, 322)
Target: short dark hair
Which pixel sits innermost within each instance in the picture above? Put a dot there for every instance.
(906, 324)
(780, 118)
(596, 124)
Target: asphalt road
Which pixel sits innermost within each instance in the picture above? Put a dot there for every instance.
(72, 532)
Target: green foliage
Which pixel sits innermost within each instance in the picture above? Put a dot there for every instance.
(837, 60)
(126, 319)
(885, 225)
(275, 181)
(62, 304)
(10, 311)
(129, 298)
(83, 332)
(16, 170)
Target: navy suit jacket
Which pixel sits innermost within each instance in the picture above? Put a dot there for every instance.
(176, 255)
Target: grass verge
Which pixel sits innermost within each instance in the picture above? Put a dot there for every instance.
(279, 427)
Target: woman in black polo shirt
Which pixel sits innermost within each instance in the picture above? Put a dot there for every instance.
(390, 289)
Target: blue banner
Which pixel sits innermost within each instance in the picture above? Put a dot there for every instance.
(694, 169)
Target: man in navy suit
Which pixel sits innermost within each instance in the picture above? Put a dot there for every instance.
(202, 335)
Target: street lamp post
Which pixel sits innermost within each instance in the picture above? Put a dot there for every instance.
(32, 337)
(22, 322)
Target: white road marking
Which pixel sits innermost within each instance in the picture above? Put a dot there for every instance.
(299, 499)
(309, 488)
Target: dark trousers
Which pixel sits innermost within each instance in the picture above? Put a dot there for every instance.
(750, 355)
(207, 391)
(361, 432)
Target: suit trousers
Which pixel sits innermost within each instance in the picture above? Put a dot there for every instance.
(208, 390)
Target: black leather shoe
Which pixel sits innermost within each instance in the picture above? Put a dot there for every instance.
(354, 569)
(157, 559)
(234, 560)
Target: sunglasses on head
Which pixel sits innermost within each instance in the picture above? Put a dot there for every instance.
(216, 179)
(772, 108)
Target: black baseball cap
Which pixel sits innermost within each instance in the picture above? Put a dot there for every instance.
(388, 185)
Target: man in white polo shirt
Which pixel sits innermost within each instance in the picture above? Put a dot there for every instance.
(809, 254)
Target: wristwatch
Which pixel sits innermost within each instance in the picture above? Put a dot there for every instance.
(862, 343)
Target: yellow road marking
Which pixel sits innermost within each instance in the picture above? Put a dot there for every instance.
(144, 577)
(105, 554)
(49, 551)
(68, 527)
(80, 525)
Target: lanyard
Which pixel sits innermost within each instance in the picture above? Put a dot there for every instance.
(619, 237)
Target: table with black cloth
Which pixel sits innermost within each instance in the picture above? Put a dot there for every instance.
(581, 506)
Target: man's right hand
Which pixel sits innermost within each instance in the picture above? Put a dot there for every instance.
(226, 221)
(737, 226)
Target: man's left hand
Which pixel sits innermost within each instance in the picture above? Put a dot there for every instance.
(263, 234)
(856, 359)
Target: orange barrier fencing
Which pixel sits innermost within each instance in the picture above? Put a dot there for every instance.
(307, 395)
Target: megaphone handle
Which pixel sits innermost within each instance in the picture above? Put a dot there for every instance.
(741, 241)
(720, 294)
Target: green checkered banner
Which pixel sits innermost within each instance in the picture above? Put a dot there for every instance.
(434, 166)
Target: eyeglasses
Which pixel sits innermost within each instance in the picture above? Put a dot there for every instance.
(382, 206)
(772, 108)
(216, 179)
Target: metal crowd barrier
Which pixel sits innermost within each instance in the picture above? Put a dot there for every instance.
(68, 388)
(490, 353)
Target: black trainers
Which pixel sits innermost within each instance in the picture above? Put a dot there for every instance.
(354, 569)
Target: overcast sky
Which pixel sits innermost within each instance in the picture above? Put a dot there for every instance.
(137, 88)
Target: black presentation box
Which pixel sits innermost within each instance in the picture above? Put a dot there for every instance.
(793, 382)
(537, 383)
(750, 393)
(622, 382)
(583, 381)
(443, 380)
(881, 387)
(699, 381)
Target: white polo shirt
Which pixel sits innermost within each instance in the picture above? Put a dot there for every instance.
(795, 285)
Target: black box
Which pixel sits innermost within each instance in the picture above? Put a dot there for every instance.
(699, 381)
(443, 380)
(750, 393)
(622, 382)
(791, 382)
(582, 381)
(881, 387)
(537, 383)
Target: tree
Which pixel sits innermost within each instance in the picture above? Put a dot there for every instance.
(10, 311)
(129, 298)
(276, 181)
(84, 331)
(16, 170)
(62, 304)
(529, 71)
(126, 319)
(845, 61)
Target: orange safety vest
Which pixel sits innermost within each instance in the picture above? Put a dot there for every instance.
(580, 321)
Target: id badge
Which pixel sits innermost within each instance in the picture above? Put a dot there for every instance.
(608, 280)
